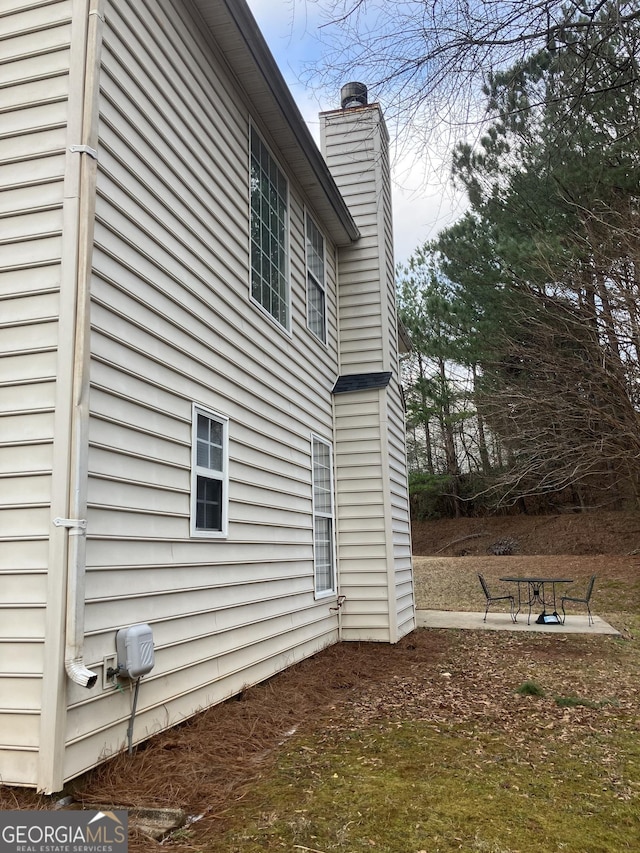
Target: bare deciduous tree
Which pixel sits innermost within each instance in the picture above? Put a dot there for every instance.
(428, 61)
(561, 402)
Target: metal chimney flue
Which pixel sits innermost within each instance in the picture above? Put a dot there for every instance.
(353, 95)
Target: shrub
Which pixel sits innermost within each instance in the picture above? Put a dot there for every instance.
(503, 547)
(431, 496)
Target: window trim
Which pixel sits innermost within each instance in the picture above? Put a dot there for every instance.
(286, 328)
(325, 593)
(322, 285)
(210, 474)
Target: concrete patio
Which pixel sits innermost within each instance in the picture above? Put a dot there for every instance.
(497, 621)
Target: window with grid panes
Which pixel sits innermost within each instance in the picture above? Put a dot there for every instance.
(209, 474)
(316, 304)
(323, 521)
(269, 224)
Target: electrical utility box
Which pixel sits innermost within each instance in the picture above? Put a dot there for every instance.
(135, 651)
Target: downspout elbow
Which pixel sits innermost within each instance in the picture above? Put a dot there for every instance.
(74, 664)
(77, 529)
(79, 673)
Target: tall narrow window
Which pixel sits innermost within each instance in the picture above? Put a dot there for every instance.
(323, 517)
(269, 222)
(209, 479)
(316, 303)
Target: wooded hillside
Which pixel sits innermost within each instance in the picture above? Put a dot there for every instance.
(613, 533)
(525, 315)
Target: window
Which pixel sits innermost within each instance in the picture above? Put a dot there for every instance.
(209, 470)
(323, 517)
(269, 206)
(316, 308)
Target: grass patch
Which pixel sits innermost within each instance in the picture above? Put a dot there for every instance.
(530, 688)
(579, 702)
(575, 702)
(412, 787)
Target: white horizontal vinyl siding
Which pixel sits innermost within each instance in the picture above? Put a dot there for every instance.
(400, 526)
(172, 324)
(361, 525)
(400, 521)
(374, 535)
(349, 147)
(374, 532)
(34, 51)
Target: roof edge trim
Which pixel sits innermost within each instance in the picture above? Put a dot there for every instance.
(255, 41)
(361, 382)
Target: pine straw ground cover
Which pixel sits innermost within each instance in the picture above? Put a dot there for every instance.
(450, 740)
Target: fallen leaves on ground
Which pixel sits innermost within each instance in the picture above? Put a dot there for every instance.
(445, 679)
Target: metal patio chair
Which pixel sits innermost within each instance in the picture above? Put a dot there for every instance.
(586, 599)
(491, 598)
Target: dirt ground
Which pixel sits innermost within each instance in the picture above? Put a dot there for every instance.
(213, 761)
(566, 534)
(211, 765)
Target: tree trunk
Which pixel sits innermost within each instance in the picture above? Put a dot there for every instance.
(426, 423)
(448, 436)
(482, 439)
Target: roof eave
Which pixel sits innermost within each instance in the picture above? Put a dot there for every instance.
(237, 35)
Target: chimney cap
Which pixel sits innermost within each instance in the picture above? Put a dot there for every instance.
(353, 95)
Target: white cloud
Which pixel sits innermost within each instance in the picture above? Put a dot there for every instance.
(424, 201)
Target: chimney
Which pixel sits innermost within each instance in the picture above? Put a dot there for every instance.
(355, 145)
(372, 502)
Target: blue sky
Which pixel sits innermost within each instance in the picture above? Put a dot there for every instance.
(423, 202)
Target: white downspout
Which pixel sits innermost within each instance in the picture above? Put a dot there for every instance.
(63, 595)
(76, 523)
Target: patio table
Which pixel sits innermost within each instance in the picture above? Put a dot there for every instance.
(535, 592)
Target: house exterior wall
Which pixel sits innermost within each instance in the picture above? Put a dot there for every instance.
(393, 423)
(398, 514)
(361, 524)
(169, 325)
(172, 324)
(35, 45)
(351, 146)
